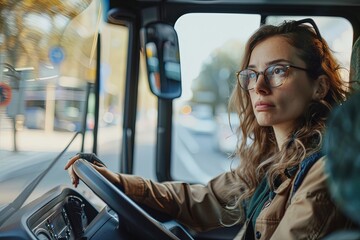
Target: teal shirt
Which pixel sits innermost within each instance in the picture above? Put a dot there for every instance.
(255, 204)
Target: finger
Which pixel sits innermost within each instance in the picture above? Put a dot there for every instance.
(101, 169)
(72, 174)
(74, 178)
(71, 161)
(98, 168)
(99, 164)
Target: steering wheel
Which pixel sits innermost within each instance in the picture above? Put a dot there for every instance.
(125, 207)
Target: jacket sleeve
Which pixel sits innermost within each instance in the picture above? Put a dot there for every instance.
(196, 206)
(311, 213)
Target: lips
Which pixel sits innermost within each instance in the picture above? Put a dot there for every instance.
(261, 106)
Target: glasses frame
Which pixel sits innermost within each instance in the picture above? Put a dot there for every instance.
(312, 23)
(298, 22)
(287, 66)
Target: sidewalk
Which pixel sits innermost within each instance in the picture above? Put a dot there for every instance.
(13, 164)
(36, 149)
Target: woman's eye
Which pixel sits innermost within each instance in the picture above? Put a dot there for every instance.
(252, 75)
(279, 70)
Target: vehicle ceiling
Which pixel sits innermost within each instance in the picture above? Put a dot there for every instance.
(297, 2)
(207, 3)
(170, 10)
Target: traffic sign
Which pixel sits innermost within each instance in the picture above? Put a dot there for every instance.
(5, 94)
(56, 54)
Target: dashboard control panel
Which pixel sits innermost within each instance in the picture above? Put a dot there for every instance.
(66, 220)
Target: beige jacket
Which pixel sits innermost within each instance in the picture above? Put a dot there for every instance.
(309, 214)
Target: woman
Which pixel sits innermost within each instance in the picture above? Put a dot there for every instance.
(288, 85)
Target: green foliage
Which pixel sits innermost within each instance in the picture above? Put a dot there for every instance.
(29, 28)
(218, 75)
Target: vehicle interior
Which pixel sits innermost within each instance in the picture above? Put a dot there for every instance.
(137, 83)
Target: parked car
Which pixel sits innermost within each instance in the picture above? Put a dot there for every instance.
(200, 120)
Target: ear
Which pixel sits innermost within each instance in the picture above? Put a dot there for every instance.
(321, 87)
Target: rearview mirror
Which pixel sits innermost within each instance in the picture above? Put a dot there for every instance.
(161, 46)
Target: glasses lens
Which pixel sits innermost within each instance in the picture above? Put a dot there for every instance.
(276, 75)
(247, 78)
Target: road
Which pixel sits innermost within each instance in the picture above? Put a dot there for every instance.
(196, 158)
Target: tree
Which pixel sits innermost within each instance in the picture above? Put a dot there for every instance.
(217, 76)
(29, 28)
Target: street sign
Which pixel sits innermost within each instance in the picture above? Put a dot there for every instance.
(5, 94)
(56, 55)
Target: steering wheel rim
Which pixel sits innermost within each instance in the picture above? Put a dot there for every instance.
(125, 207)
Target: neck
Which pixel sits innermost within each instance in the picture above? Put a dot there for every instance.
(282, 133)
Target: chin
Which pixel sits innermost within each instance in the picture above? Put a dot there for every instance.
(265, 122)
(262, 124)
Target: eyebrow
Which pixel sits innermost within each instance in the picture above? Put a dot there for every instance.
(281, 60)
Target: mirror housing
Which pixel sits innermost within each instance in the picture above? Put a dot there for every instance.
(161, 46)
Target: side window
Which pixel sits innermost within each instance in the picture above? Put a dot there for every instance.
(211, 46)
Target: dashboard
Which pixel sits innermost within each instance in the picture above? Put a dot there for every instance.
(66, 220)
(62, 214)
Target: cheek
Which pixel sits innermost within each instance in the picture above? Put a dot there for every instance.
(253, 97)
(294, 102)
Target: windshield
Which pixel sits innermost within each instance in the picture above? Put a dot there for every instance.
(47, 59)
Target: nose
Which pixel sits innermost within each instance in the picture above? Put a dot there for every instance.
(261, 87)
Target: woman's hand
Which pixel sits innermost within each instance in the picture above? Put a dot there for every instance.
(96, 163)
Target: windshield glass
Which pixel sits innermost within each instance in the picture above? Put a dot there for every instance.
(204, 137)
(48, 62)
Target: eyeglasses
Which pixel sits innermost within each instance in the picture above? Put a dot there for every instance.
(274, 75)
